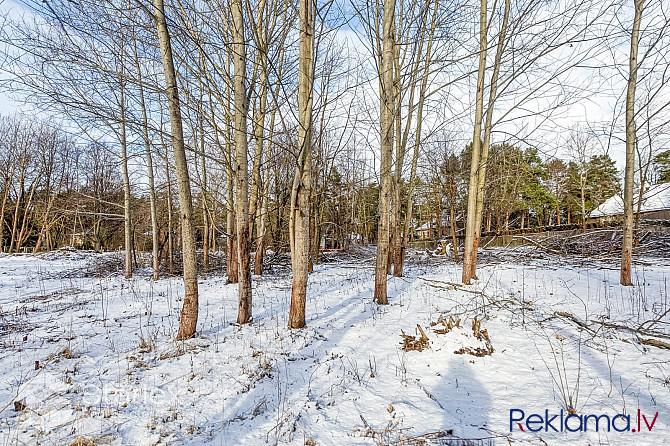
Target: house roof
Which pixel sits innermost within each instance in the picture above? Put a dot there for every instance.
(424, 227)
(655, 198)
(445, 222)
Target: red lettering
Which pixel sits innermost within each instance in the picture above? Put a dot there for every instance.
(644, 417)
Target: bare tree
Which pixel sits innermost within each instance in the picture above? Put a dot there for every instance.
(241, 165)
(155, 258)
(302, 182)
(387, 105)
(468, 254)
(627, 244)
(189, 312)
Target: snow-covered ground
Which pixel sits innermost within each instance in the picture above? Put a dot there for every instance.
(94, 357)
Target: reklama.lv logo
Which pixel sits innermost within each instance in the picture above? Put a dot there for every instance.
(578, 423)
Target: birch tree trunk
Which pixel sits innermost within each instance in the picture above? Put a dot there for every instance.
(452, 217)
(302, 182)
(189, 312)
(627, 244)
(241, 165)
(582, 194)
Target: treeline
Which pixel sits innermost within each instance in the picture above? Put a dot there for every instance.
(59, 192)
(54, 191)
(523, 188)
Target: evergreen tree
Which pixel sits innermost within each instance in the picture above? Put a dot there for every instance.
(662, 166)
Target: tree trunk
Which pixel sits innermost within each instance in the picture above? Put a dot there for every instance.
(127, 223)
(488, 125)
(24, 232)
(231, 227)
(583, 202)
(262, 225)
(259, 123)
(315, 233)
(402, 226)
(189, 312)
(260, 240)
(452, 217)
(627, 244)
(170, 227)
(19, 198)
(469, 256)
(203, 191)
(394, 230)
(302, 182)
(386, 130)
(241, 165)
(155, 257)
(5, 196)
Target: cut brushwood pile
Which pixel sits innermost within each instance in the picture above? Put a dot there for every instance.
(482, 335)
(415, 342)
(598, 242)
(448, 324)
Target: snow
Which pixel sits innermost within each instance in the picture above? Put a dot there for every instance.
(655, 198)
(110, 370)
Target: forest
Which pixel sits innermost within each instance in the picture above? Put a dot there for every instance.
(297, 161)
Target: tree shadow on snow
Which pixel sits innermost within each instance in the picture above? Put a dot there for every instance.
(466, 404)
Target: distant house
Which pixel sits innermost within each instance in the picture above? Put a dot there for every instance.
(655, 205)
(426, 231)
(429, 230)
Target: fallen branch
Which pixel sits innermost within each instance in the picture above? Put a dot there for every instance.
(450, 286)
(654, 343)
(576, 320)
(537, 244)
(654, 321)
(633, 330)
